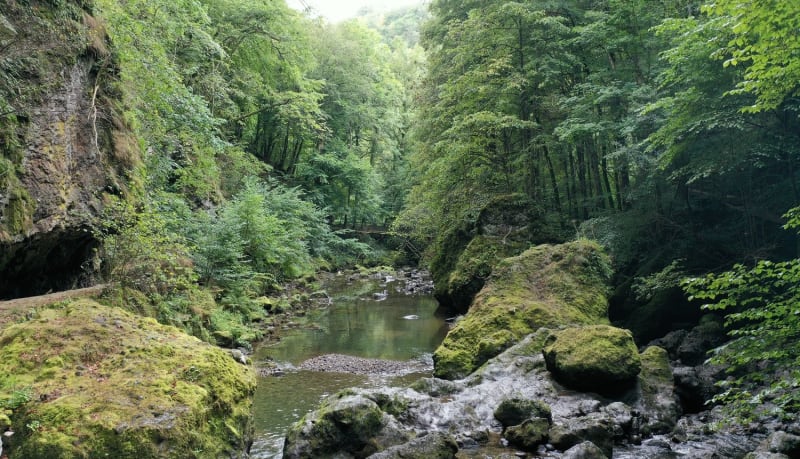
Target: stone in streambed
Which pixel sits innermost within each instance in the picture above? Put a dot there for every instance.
(514, 411)
(585, 450)
(528, 435)
(435, 445)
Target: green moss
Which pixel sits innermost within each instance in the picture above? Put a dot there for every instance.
(107, 383)
(597, 358)
(19, 212)
(513, 411)
(467, 254)
(528, 435)
(546, 286)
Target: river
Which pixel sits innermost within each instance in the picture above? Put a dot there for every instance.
(358, 323)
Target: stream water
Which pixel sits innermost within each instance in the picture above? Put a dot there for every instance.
(397, 327)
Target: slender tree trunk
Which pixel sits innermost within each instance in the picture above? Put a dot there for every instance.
(553, 181)
(584, 195)
(607, 183)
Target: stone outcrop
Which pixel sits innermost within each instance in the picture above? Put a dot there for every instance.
(95, 381)
(546, 286)
(467, 254)
(63, 146)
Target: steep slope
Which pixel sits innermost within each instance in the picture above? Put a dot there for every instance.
(63, 144)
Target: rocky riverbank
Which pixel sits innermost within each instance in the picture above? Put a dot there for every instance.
(534, 370)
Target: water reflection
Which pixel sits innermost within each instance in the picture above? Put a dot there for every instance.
(356, 325)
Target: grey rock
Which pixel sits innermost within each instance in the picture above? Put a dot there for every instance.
(435, 445)
(528, 435)
(585, 450)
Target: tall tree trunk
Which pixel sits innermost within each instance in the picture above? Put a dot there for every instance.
(553, 181)
(584, 195)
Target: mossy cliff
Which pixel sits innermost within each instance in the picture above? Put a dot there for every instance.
(466, 255)
(86, 380)
(64, 142)
(546, 286)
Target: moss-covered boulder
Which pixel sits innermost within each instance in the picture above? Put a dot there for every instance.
(656, 392)
(86, 380)
(344, 423)
(513, 411)
(528, 435)
(546, 286)
(594, 358)
(467, 254)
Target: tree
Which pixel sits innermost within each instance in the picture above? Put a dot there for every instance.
(761, 303)
(766, 42)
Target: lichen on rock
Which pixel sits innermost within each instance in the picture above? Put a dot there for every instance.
(106, 383)
(546, 286)
(596, 358)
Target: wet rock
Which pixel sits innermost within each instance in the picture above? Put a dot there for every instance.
(514, 411)
(238, 356)
(585, 450)
(435, 445)
(343, 424)
(436, 387)
(546, 286)
(597, 428)
(528, 435)
(765, 455)
(596, 358)
(783, 443)
(696, 385)
(657, 401)
(671, 342)
(707, 335)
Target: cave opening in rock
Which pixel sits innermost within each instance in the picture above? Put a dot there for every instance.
(43, 263)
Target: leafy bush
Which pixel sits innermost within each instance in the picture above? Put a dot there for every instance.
(763, 314)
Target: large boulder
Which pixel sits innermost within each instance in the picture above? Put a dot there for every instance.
(546, 286)
(88, 380)
(467, 254)
(595, 358)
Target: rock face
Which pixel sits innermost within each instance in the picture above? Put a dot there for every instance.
(63, 146)
(546, 286)
(505, 227)
(94, 381)
(596, 358)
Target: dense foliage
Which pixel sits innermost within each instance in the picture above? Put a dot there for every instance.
(261, 138)
(262, 134)
(762, 307)
(667, 130)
